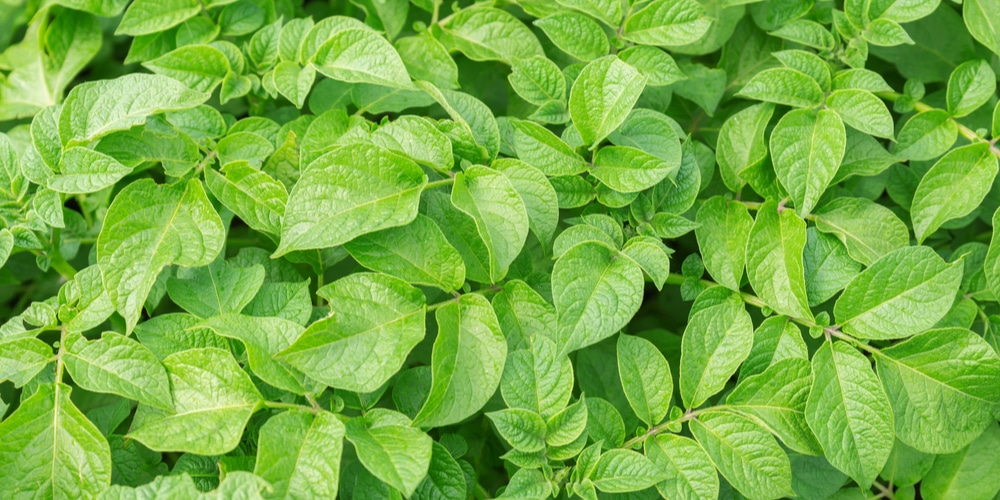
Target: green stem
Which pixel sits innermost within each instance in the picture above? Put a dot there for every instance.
(443, 182)
(56, 259)
(689, 415)
(278, 405)
(457, 297)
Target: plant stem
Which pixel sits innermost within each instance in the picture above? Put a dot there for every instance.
(688, 415)
(443, 182)
(278, 405)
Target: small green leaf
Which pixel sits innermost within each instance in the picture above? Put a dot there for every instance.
(628, 170)
(575, 34)
(485, 34)
(200, 67)
(746, 455)
(396, 454)
(620, 471)
(806, 149)
(667, 22)
(690, 472)
(537, 379)
(299, 454)
(253, 195)
(21, 359)
(715, 342)
(645, 377)
(540, 148)
(926, 135)
(972, 472)
(151, 16)
(417, 253)
(83, 170)
(741, 143)
(723, 231)
(522, 429)
(783, 86)
(602, 97)
(537, 80)
(952, 188)
(361, 56)
(970, 86)
(862, 110)
(774, 260)
(219, 288)
(868, 230)
(119, 365)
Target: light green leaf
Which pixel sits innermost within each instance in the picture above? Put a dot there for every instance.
(886, 33)
(602, 97)
(83, 170)
(607, 11)
(926, 135)
(417, 253)
(777, 398)
(540, 148)
(219, 288)
(118, 365)
(741, 143)
(628, 170)
(461, 232)
(213, 401)
(991, 268)
(808, 63)
(645, 377)
(867, 229)
(522, 429)
(903, 293)
(952, 188)
(253, 195)
(783, 86)
(690, 473)
(980, 19)
(294, 82)
(200, 67)
(862, 110)
(849, 412)
(539, 197)
(537, 80)
(973, 472)
(746, 455)
(348, 192)
(667, 22)
(774, 260)
(620, 471)
(501, 218)
(537, 379)
(94, 109)
(417, 138)
(376, 322)
(51, 450)
(652, 255)
(467, 362)
(263, 338)
(149, 227)
(299, 454)
(396, 454)
(943, 386)
(596, 293)
(21, 359)
(715, 342)
(427, 59)
(806, 149)
(657, 65)
(806, 32)
(970, 86)
(723, 231)
(485, 34)
(827, 265)
(776, 338)
(150, 16)
(445, 477)
(575, 34)
(361, 56)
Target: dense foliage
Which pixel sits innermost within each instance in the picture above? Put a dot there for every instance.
(521, 249)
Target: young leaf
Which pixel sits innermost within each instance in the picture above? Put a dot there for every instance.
(746, 455)
(484, 34)
(522, 429)
(540, 148)
(667, 22)
(774, 260)
(602, 97)
(620, 471)
(575, 34)
(862, 110)
(868, 230)
(723, 231)
(119, 365)
(952, 188)
(645, 377)
(150, 16)
(348, 192)
(741, 143)
(690, 473)
(538, 80)
(396, 454)
(21, 359)
(376, 322)
(299, 454)
(903, 293)
(783, 86)
(806, 149)
(596, 292)
(849, 412)
(970, 86)
(149, 227)
(361, 56)
(200, 67)
(467, 362)
(253, 195)
(715, 342)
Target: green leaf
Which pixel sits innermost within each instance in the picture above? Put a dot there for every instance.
(952, 188)
(299, 454)
(980, 20)
(602, 97)
(118, 365)
(849, 412)
(862, 110)
(806, 32)
(607, 11)
(21, 359)
(417, 138)
(445, 477)
(991, 268)
(868, 230)
(219, 288)
(575, 34)
(903, 293)
(485, 34)
(715, 342)
(294, 82)
(596, 293)
(657, 65)
(349, 192)
(149, 227)
(95, 109)
(361, 56)
(537, 80)
(774, 260)
(690, 472)
(253, 195)
(973, 472)
(200, 67)
(213, 401)
(723, 231)
(926, 135)
(500, 215)
(777, 398)
(461, 232)
(783, 86)
(741, 143)
(150, 16)
(467, 362)
(667, 22)
(540, 199)
(652, 255)
(263, 338)
(376, 322)
(522, 429)
(943, 386)
(746, 455)
(886, 33)
(50, 449)
(537, 379)
(417, 253)
(628, 170)
(83, 170)
(828, 267)
(807, 149)
(776, 338)
(396, 454)
(427, 59)
(620, 471)
(540, 148)
(645, 377)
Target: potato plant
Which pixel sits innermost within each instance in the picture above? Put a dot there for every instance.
(520, 249)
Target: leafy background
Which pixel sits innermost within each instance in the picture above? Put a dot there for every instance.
(592, 248)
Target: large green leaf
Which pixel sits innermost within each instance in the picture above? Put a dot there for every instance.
(723, 231)
(602, 97)
(118, 365)
(667, 22)
(691, 473)
(953, 188)
(774, 260)
(537, 379)
(361, 56)
(645, 377)
(417, 253)
(806, 148)
(391, 450)
(972, 472)
(715, 342)
(299, 454)
(746, 455)
(867, 229)
(253, 195)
